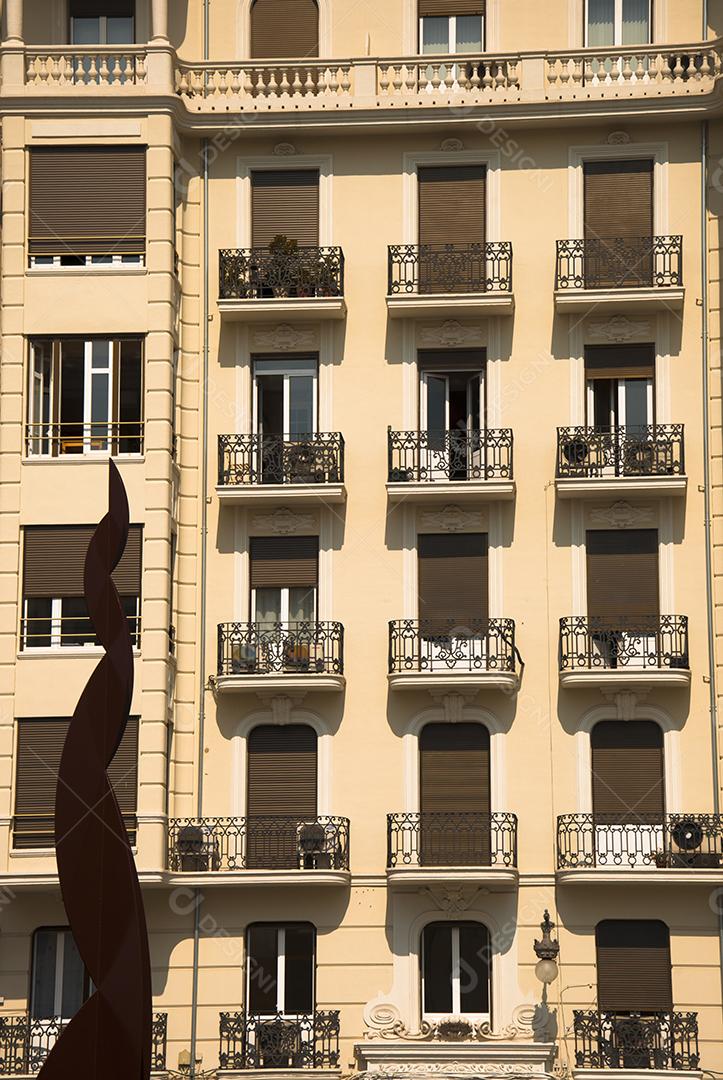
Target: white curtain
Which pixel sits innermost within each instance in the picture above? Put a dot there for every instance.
(636, 22)
(600, 23)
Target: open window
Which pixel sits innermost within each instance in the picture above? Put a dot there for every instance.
(280, 969)
(452, 413)
(456, 971)
(102, 22)
(286, 420)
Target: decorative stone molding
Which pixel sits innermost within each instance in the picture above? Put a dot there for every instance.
(284, 522)
(620, 330)
(618, 138)
(284, 338)
(454, 899)
(449, 335)
(453, 705)
(284, 149)
(626, 702)
(452, 146)
(383, 1020)
(450, 519)
(622, 516)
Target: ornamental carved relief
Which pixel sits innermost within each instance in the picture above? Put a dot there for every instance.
(383, 1020)
(619, 330)
(622, 516)
(284, 522)
(450, 335)
(284, 338)
(450, 519)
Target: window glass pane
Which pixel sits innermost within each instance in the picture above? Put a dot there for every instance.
(437, 971)
(436, 403)
(85, 31)
(262, 964)
(100, 354)
(129, 398)
(299, 996)
(268, 605)
(636, 402)
(301, 406)
(120, 31)
(76, 627)
(72, 380)
(474, 977)
(636, 22)
(302, 604)
(38, 623)
(435, 35)
(271, 404)
(73, 990)
(44, 961)
(469, 33)
(600, 22)
(604, 403)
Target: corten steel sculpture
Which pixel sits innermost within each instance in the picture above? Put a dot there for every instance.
(110, 1037)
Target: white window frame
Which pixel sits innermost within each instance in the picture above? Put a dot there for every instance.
(103, 35)
(621, 402)
(456, 982)
(618, 27)
(282, 368)
(452, 45)
(92, 373)
(285, 591)
(56, 628)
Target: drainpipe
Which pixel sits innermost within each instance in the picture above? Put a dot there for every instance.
(205, 315)
(712, 680)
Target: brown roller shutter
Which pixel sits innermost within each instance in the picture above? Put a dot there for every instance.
(633, 966)
(453, 580)
(618, 207)
(451, 359)
(452, 205)
(282, 783)
(620, 362)
(93, 9)
(87, 201)
(39, 749)
(454, 774)
(54, 561)
(284, 561)
(282, 29)
(285, 202)
(622, 575)
(447, 8)
(628, 774)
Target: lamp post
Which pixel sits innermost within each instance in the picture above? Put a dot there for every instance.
(547, 952)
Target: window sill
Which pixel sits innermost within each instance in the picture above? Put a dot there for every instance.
(84, 271)
(92, 652)
(100, 458)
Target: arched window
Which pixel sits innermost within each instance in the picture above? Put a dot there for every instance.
(282, 29)
(456, 970)
(628, 779)
(281, 794)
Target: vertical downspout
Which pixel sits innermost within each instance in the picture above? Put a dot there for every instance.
(205, 315)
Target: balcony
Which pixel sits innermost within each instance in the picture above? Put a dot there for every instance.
(259, 469)
(308, 1041)
(67, 69)
(437, 280)
(305, 656)
(622, 653)
(260, 850)
(26, 1042)
(621, 461)
(439, 655)
(608, 1040)
(299, 283)
(460, 465)
(677, 847)
(431, 848)
(624, 273)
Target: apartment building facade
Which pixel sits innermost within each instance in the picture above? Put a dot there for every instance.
(402, 324)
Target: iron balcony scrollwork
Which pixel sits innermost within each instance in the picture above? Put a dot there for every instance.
(661, 1040)
(308, 1041)
(440, 456)
(26, 1042)
(451, 839)
(278, 842)
(651, 450)
(449, 268)
(293, 648)
(263, 273)
(640, 841)
(632, 262)
(247, 460)
(445, 645)
(644, 643)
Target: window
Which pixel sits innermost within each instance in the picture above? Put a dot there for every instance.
(456, 966)
(619, 245)
(622, 575)
(284, 28)
(452, 211)
(280, 969)
(102, 22)
(284, 574)
(281, 796)
(39, 748)
(85, 397)
(54, 609)
(618, 22)
(87, 206)
(285, 202)
(59, 982)
(454, 795)
(452, 413)
(451, 26)
(620, 388)
(633, 966)
(628, 782)
(453, 584)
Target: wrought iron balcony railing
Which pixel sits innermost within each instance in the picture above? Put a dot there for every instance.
(202, 845)
(645, 643)
(26, 1041)
(439, 456)
(63, 439)
(293, 648)
(451, 839)
(309, 1041)
(263, 273)
(247, 460)
(449, 268)
(608, 1040)
(639, 841)
(589, 453)
(620, 263)
(440, 646)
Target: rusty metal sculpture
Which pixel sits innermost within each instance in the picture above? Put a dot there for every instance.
(110, 1037)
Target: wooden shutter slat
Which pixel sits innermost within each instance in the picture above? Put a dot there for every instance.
(618, 199)
(452, 204)
(453, 578)
(282, 772)
(285, 202)
(622, 574)
(89, 200)
(284, 561)
(633, 966)
(447, 8)
(454, 769)
(620, 362)
(39, 749)
(54, 561)
(282, 29)
(628, 772)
